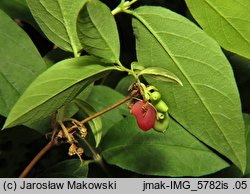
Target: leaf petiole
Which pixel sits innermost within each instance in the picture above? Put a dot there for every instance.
(123, 6)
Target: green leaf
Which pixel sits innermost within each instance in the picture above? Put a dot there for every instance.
(57, 19)
(54, 88)
(160, 74)
(86, 92)
(124, 84)
(98, 32)
(247, 125)
(174, 153)
(208, 104)
(226, 21)
(95, 124)
(18, 9)
(44, 125)
(72, 168)
(70, 110)
(135, 66)
(101, 98)
(56, 55)
(20, 63)
(229, 172)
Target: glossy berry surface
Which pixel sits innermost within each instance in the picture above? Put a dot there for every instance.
(145, 115)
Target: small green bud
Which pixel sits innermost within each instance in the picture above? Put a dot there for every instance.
(160, 116)
(150, 87)
(161, 106)
(162, 124)
(155, 96)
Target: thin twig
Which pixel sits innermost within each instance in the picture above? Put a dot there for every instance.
(133, 93)
(37, 158)
(97, 158)
(52, 143)
(94, 153)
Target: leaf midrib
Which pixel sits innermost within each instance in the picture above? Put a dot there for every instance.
(67, 28)
(58, 93)
(104, 38)
(12, 85)
(45, 23)
(183, 72)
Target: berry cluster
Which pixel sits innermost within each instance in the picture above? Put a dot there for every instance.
(151, 111)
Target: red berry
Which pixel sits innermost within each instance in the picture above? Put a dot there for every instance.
(145, 115)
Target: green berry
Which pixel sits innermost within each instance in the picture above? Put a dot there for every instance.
(162, 124)
(161, 106)
(155, 96)
(160, 116)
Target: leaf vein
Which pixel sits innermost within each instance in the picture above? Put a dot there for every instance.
(169, 53)
(230, 24)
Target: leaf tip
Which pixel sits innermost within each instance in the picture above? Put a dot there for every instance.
(6, 125)
(97, 144)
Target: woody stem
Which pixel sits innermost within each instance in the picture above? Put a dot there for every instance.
(133, 93)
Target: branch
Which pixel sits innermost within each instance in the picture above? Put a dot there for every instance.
(37, 158)
(53, 142)
(133, 93)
